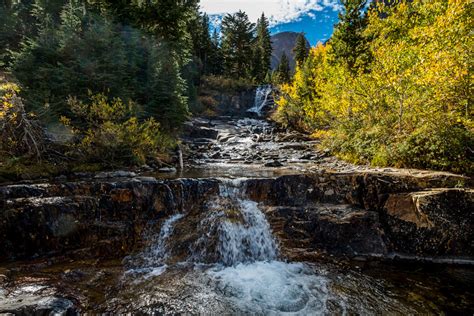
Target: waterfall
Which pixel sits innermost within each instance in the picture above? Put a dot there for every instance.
(234, 229)
(251, 276)
(157, 253)
(261, 99)
(233, 241)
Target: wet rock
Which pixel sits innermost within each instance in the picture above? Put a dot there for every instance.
(115, 174)
(296, 146)
(203, 142)
(337, 229)
(273, 164)
(73, 275)
(61, 178)
(436, 222)
(393, 214)
(216, 155)
(308, 156)
(224, 137)
(167, 170)
(90, 218)
(146, 168)
(196, 131)
(35, 299)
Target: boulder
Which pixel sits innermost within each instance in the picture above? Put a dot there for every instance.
(35, 299)
(273, 164)
(192, 130)
(393, 212)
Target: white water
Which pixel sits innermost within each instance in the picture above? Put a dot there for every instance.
(250, 275)
(272, 287)
(158, 252)
(261, 97)
(247, 274)
(233, 229)
(249, 239)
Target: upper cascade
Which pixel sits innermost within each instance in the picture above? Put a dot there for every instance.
(263, 98)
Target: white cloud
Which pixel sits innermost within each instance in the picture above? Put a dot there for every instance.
(278, 11)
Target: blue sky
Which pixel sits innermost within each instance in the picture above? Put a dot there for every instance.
(315, 18)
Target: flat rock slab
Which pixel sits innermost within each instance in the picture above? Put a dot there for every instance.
(336, 229)
(347, 213)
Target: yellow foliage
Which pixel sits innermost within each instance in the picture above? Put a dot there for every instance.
(411, 106)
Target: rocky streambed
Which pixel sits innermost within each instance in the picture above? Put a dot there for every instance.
(258, 222)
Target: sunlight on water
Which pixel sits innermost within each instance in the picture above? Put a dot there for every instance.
(231, 261)
(249, 240)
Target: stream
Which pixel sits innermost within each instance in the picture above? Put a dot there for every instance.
(224, 258)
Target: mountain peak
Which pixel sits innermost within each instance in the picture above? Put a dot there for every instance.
(284, 42)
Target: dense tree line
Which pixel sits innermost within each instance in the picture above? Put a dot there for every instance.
(133, 57)
(134, 51)
(75, 61)
(389, 88)
(153, 53)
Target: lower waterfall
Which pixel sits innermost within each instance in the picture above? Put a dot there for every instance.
(225, 258)
(239, 254)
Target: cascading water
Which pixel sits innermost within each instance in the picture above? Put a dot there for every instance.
(262, 95)
(223, 257)
(233, 230)
(248, 239)
(250, 275)
(152, 261)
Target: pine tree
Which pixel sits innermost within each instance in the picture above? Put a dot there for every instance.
(85, 52)
(283, 70)
(237, 37)
(201, 39)
(348, 43)
(166, 19)
(16, 24)
(301, 49)
(215, 59)
(262, 50)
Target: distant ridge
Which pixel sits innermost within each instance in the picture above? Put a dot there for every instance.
(283, 43)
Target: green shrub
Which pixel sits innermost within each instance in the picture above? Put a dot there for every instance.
(20, 132)
(442, 147)
(108, 132)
